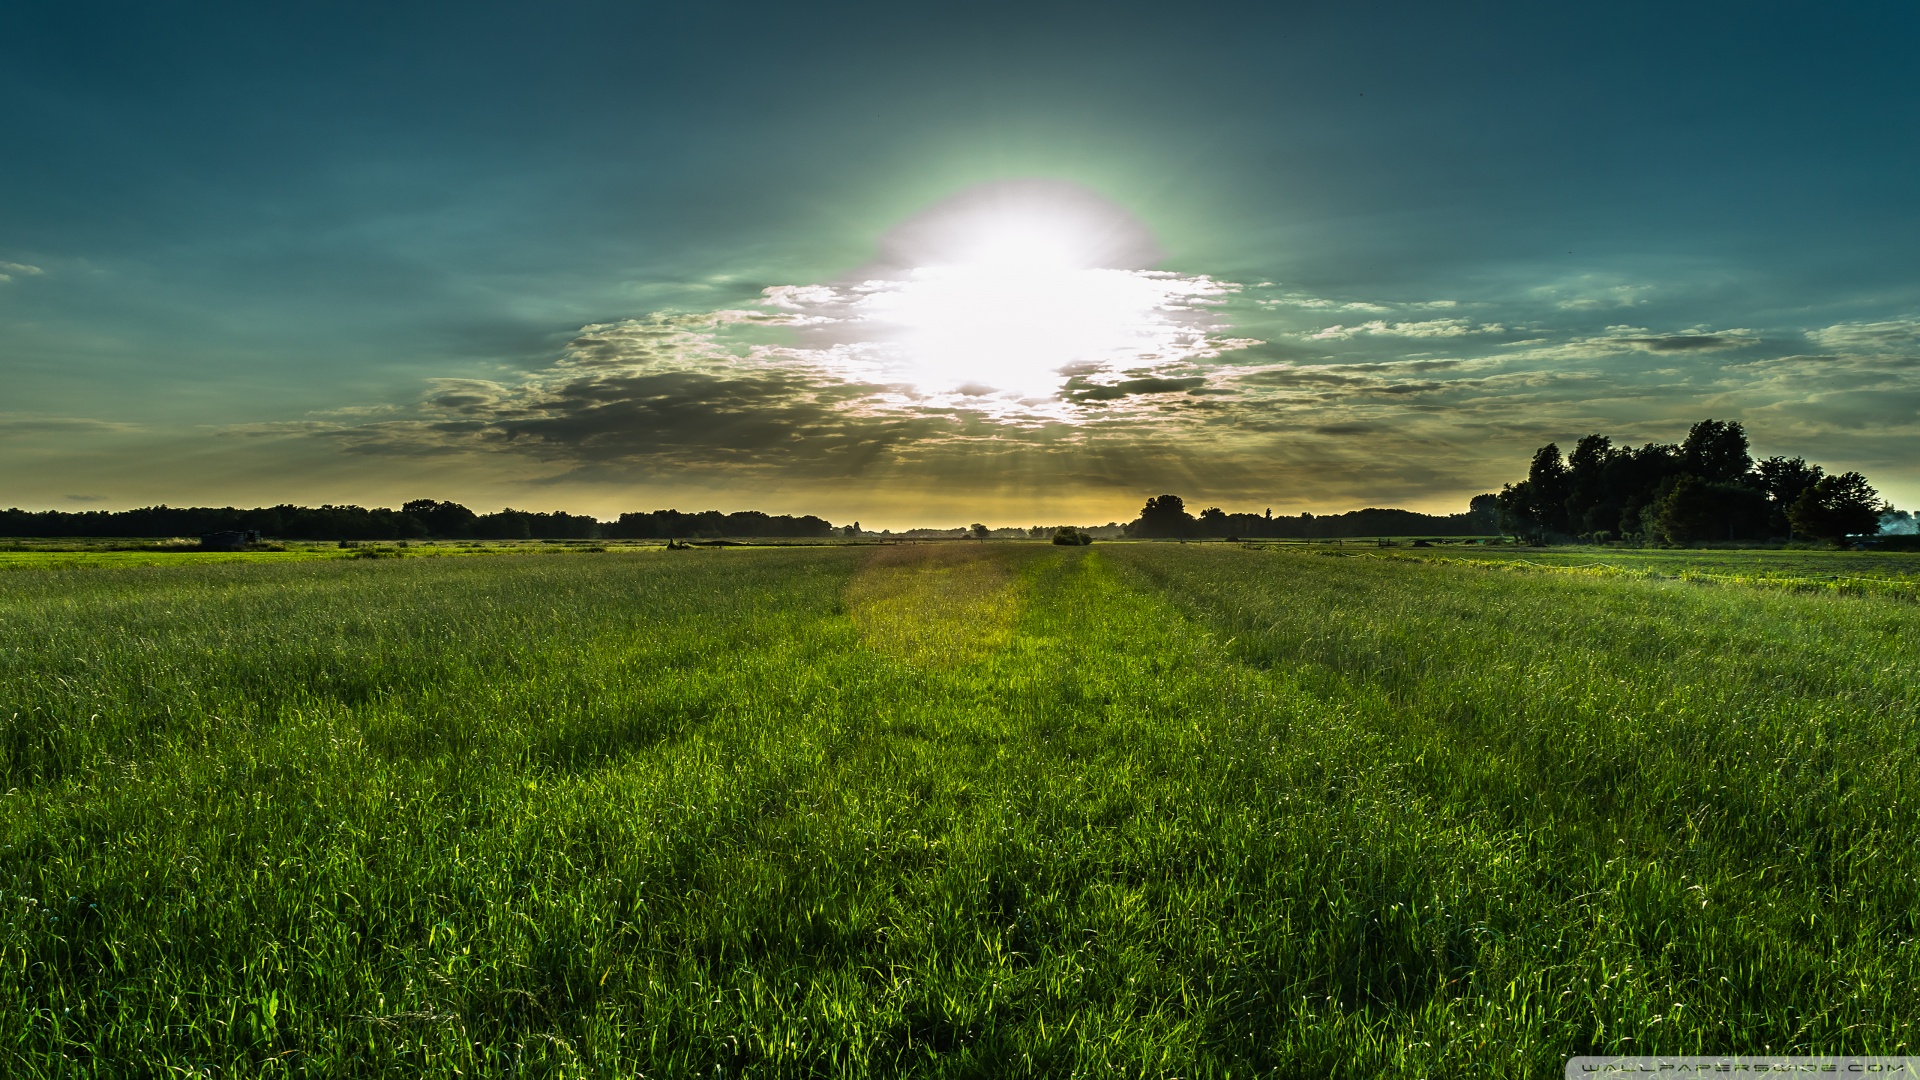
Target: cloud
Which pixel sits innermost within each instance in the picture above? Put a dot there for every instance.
(269, 429)
(690, 417)
(10, 270)
(1593, 293)
(1309, 302)
(1629, 339)
(465, 395)
(1690, 342)
(1617, 297)
(825, 383)
(1886, 336)
(1289, 376)
(36, 423)
(1430, 328)
(1316, 303)
(667, 340)
(1080, 389)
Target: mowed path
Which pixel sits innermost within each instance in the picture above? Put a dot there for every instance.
(961, 809)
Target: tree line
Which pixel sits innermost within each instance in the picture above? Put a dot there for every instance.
(421, 519)
(1706, 488)
(1166, 516)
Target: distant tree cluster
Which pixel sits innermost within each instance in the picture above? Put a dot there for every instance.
(672, 524)
(285, 522)
(421, 519)
(1166, 516)
(451, 521)
(1706, 488)
(1112, 530)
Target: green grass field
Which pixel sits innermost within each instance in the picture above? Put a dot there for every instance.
(953, 810)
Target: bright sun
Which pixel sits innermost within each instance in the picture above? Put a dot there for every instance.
(999, 298)
(1011, 288)
(1018, 327)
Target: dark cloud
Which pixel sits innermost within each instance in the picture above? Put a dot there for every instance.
(1080, 389)
(1685, 342)
(465, 395)
(1287, 377)
(699, 419)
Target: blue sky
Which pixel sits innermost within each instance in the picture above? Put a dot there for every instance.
(521, 255)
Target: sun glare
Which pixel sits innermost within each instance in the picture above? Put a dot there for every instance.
(1024, 242)
(1010, 288)
(1015, 327)
(996, 299)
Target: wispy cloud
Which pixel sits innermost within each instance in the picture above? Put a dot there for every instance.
(1619, 296)
(1886, 336)
(1319, 303)
(1629, 339)
(1593, 293)
(1430, 328)
(11, 270)
(16, 423)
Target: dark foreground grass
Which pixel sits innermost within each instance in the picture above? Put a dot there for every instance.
(987, 811)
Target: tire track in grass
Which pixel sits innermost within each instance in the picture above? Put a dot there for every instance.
(934, 606)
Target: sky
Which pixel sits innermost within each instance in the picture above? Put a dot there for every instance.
(936, 263)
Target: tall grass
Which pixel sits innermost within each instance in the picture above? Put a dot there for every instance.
(963, 811)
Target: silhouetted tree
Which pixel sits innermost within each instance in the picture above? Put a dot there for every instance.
(1593, 501)
(1716, 451)
(1484, 510)
(1517, 516)
(1165, 515)
(508, 524)
(1636, 476)
(1548, 485)
(670, 524)
(418, 519)
(1785, 479)
(1172, 520)
(1693, 510)
(441, 520)
(1836, 507)
(1707, 488)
